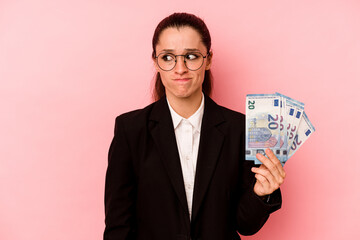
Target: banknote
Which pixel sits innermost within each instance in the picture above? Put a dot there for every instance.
(295, 113)
(262, 125)
(283, 131)
(304, 131)
(275, 121)
(292, 114)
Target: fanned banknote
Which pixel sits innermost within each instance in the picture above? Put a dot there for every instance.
(283, 132)
(277, 122)
(292, 114)
(262, 125)
(305, 129)
(296, 112)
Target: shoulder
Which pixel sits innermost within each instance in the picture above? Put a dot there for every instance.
(227, 114)
(134, 114)
(133, 120)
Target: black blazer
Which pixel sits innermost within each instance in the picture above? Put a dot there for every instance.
(144, 190)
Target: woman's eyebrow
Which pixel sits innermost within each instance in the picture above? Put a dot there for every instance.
(167, 50)
(192, 49)
(187, 49)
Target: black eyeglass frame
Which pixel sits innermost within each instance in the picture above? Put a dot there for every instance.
(182, 55)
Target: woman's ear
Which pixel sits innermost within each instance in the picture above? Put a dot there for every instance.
(209, 60)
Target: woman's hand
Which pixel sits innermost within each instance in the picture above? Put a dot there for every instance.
(269, 176)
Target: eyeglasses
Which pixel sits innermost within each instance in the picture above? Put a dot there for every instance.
(193, 60)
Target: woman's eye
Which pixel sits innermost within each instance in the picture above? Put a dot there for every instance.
(167, 58)
(192, 56)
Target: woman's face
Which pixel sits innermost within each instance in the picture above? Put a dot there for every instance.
(180, 82)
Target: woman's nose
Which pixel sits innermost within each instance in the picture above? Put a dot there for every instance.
(180, 66)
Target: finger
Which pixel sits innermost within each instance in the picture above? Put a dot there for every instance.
(280, 180)
(265, 173)
(263, 181)
(269, 165)
(276, 161)
(264, 187)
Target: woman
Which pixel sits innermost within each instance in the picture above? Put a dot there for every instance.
(177, 168)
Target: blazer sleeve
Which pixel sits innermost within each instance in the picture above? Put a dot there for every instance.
(120, 189)
(252, 211)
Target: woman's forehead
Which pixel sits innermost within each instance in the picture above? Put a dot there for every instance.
(176, 39)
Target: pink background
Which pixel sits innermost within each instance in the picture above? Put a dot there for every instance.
(68, 68)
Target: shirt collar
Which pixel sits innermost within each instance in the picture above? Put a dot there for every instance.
(195, 119)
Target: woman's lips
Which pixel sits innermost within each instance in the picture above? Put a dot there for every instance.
(182, 79)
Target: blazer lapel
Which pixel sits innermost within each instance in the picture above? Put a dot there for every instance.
(163, 134)
(211, 140)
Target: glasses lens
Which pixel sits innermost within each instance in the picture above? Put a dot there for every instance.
(166, 61)
(194, 61)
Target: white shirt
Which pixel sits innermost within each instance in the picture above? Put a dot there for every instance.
(187, 132)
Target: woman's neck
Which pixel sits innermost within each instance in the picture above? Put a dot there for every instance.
(185, 107)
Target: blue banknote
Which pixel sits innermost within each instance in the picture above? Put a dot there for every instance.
(304, 131)
(277, 122)
(262, 125)
(292, 114)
